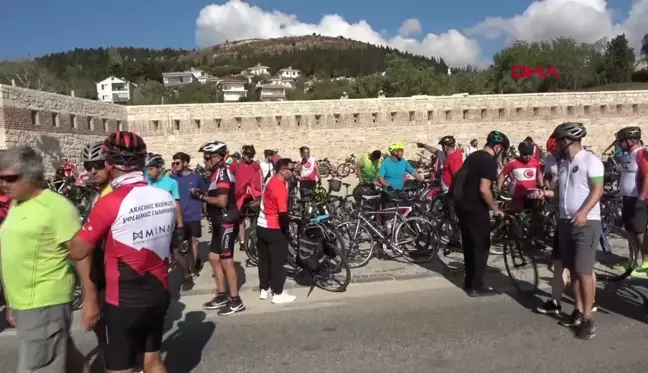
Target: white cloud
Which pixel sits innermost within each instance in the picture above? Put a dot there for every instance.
(583, 20)
(410, 26)
(236, 20)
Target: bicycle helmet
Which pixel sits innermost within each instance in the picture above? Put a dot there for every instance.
(213, 147)
(154, 160)
(396, 146)
(570, 130)
(124, 148)
(269, 152)
(93, 152)
(448, 141)
(498, 138)
(248, 150)
(319, 193)
(552, 145)
(526, 148)
(628, 133)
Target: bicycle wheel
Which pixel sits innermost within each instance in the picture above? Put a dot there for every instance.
(417, 238)
(520, 266)
(343, 170)
(251, 245)
(616, 256)
(450, 250)
(359, 243)
(334, 274)
(324, 169)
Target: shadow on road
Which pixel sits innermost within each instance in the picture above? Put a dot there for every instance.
(185, 345)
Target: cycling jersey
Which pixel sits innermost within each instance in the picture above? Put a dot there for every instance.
(575, 177)
(273, 202)
(451, 167)
(551, 168)
(634, 168)
(394, 171)
(138, 221)
(308, 170)
(523, 176)
(222, 182)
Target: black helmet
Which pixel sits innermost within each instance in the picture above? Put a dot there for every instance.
(269, 152)
(569, 130)
(448, 141)
(248, 150)
(526, 148)
(628, 133)
(498, 138)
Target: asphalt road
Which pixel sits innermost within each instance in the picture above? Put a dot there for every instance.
(408, 326)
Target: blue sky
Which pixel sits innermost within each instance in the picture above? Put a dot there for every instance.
(42, 26)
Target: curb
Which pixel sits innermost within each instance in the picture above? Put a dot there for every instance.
(357, 279)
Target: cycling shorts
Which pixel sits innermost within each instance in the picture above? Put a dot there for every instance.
(131, 332)
(223, 239)
(635, 215)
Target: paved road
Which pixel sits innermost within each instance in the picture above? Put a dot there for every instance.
(409, 326)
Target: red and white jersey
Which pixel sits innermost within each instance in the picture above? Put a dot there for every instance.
(308, 169)
(634, 169)
(273, 202)
(523, 176)
(137, 221)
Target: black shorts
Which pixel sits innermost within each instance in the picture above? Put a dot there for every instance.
(131, 332)
(634, 214)
(223, 239)
(191, 229)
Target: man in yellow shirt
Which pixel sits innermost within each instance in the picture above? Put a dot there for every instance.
(367, 170)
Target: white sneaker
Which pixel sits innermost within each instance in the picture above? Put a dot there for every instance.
(264, 294)
(284, 297)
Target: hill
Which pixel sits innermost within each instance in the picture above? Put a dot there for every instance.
(314, 55)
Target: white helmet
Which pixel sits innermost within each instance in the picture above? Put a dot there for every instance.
(215, 146)
(93, 152)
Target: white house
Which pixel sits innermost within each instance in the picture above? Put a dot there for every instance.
(180, 78)
(286, 83)
(273, 92)
(115, 90)
(232, 89)
(200, 75)
(257, 70)
(289, 73)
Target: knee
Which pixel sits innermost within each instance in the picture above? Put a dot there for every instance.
(152, 361)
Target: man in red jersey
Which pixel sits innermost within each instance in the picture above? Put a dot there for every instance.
(525, 175)
(537, 152)
(247, 173)
(137, 221)
(272, 234)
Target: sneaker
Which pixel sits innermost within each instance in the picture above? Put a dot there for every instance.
(550, 307)
(575, 319)
(233, 306)
(587, 329)
(284, 297)
(219, 301)
(264, 294)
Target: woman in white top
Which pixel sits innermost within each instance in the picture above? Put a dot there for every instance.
(267, 166)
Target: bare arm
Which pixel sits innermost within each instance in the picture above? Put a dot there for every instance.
(500, 180)
(218, 201)
(486, 193)
(179, 222)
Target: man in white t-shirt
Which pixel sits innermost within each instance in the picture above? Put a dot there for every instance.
(580, 184)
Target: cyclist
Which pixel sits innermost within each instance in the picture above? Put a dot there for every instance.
(247, 174)
(155, 174)
(367, 171)
(472, 195)
(224, 216)
(267, 165)
(453, 159)
(394, 168)
(308, 170)
(633, 187)
(525, 176)
(537, 152)
(579, 227)
(137, 221)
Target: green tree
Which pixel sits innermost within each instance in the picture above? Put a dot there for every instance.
(644, 48)
(619, 60)
(196, 93)
(30, 74)
(151, 93)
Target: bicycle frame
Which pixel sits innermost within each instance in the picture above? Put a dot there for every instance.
(364, 218)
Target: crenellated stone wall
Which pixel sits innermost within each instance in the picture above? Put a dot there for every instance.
(60, 125)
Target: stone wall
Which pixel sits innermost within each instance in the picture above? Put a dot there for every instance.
(59, 126)
(335, 128)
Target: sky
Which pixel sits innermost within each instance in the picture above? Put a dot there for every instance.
(464, 32)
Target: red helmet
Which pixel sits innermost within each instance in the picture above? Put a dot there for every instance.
(552, 145)
(125, 149)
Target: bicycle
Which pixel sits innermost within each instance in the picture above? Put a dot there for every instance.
(347, 167)
(366, 227)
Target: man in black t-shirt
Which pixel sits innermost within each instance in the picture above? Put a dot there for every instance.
(472, 194)
(224, 216)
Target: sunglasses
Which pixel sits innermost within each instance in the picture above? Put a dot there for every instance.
(177, 163)
(97, 165)
(208, 157)
(10, 178)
